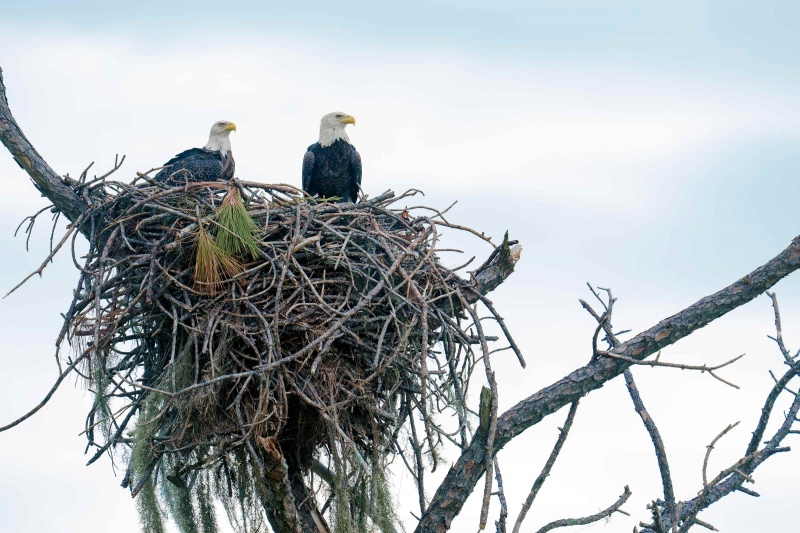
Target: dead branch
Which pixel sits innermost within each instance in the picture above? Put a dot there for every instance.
(778, 338)
(49, 258)
(461, 479)
(682, 517)
(44, 178)
(47, 397)
(710, 448)
(702, 368)
(537, 485)
(564, 522)
(501, 496)
(655, 436)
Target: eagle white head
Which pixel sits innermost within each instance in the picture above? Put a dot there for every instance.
(219, 140)
(331, 128)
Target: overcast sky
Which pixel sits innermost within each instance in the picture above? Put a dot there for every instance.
(648, 148)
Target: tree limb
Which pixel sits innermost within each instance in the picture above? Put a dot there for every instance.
(462, 477)
(44, 178)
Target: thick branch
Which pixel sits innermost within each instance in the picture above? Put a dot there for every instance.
(293, 510)
(462, 477)
(497, 267)
(50, 184)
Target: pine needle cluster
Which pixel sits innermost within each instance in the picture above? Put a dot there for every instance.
(212, 264)
(237, 232)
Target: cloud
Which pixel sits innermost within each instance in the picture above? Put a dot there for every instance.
(624, 173)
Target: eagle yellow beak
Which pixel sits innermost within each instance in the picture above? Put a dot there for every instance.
(349, 120)
(230, 127)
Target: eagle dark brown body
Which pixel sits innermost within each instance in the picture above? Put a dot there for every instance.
(332, 166)
(197, 164)
(334, 171)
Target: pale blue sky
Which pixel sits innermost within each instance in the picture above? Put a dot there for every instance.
(682, 31)
(650, 147)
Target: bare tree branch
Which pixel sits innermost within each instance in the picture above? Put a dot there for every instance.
(49, 395)
(681, 517)
(702, 368)
(604, 322)
(710, 448)
(44, 178)
(655, 436)
(589, 519)
(537, 485)
(778, 338)
(501, 495)
(465, 473)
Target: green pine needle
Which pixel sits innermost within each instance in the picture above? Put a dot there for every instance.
(237, 233)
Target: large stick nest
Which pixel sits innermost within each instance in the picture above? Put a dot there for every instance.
(337, 338)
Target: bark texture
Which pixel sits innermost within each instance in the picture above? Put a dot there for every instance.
(45, 179)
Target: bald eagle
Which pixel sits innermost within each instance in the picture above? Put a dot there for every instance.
(213, 162)
(332, 166)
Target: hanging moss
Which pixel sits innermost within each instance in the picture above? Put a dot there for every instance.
(149, 512)
(205, 508)
(382, 502)
(181, 508)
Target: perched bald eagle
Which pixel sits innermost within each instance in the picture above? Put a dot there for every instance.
(213, 162)
(332, 166)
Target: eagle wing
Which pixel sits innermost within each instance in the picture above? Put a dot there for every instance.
(355, 175)
(186, 154)
(195, 164)
(228, 168)
(308, 169)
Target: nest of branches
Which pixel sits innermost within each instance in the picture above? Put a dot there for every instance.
(240, 336)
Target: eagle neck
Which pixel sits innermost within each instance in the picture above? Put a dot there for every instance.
(329, 135)
(219, 143)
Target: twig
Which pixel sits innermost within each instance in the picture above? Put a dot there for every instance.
(47, 397)
(49, 257)
(701, 368)
(710, 447)
(779, 332)
(537, 485)
(591, 518)
(501, 523)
